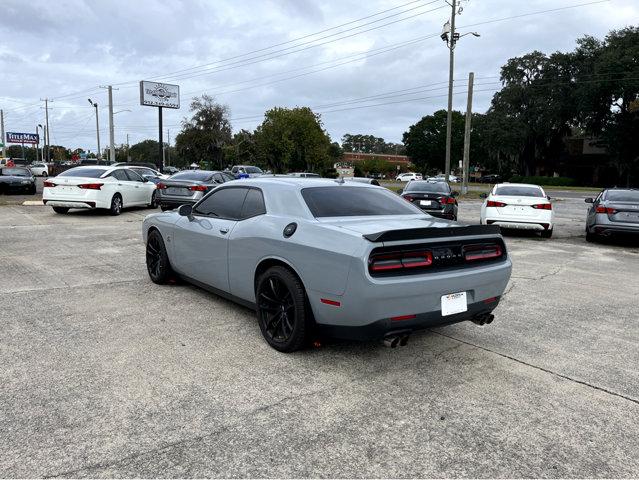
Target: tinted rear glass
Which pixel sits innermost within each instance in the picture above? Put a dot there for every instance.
(623, 195)
(18, 172)
(344, 201)
(253, 170)
(83, 172)
(197, 175)
(436, 187)
(519, 191)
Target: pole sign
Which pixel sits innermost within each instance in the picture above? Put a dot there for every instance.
(155, 94)
(15, 137)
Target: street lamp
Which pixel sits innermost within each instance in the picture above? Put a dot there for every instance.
(97, 126)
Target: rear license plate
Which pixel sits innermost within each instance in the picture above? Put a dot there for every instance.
(425, 203)
(454, 303)
(628, 216)
(176, 191)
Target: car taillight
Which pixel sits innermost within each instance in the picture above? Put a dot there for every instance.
(408, 198)
(400, 260)
(446, 200)
(481, 252)
(492, 203)
(48, 184)
(608, 210)
(542, 206)
(198, 188)
(91, 186)
(161, 186)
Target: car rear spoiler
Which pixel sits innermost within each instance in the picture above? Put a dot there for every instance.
(417, 233)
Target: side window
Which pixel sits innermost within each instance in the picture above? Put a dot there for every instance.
(133, 176)
(119, 175)
(234, 170)
(223, 203)
(218, 178)
(227, 177)
(253, 204)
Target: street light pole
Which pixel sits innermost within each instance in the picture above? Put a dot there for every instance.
(97, 126)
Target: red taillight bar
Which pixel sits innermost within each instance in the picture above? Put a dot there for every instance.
(447, 200)
(198, 188)
(48, 184)
(492, 203)
(481, 252)
(608, 210)
(408, 198)
(399, 260)
(543, 206)
(161, 186)
(91, 186)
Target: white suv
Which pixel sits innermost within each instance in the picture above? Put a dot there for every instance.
(407, 177)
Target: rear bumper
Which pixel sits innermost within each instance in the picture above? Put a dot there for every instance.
(381, 328)
(446, 213)
(615, 229)
(69, 204)
(171, 203)
(519, 225)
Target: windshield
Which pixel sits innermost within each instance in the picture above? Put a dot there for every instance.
(436, 187)
(197, 175)
(515, 191)
(623, 195)
(253, 170)
(17, 172)
(83, 172)
(344, 201)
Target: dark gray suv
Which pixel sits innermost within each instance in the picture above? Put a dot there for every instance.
(613, 211)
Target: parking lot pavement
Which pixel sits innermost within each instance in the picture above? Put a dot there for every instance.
(107, 374)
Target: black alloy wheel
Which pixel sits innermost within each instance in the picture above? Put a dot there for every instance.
(157, 260)
(282, 310)
(154, 200)
(116, 205)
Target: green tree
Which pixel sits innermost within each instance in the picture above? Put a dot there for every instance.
(292, 140)
(204, 136)
(144, 151)
(425, 141)
(369, 144)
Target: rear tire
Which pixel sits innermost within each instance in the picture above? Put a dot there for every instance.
(546, 233)
(282, 310)
(116, 205)
(157, 260)
(61, 210)
(590, 237)
(164, 208)
(154, 200)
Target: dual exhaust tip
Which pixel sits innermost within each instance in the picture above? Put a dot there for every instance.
(485, 319)
(394, 341)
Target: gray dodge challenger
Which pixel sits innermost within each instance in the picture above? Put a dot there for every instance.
(320, 257)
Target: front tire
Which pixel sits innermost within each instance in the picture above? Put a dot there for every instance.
(282, 310)
(157, 260)
(60, 210)
(116, 205)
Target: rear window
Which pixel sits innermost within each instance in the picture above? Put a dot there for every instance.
(83, 172)
(345, 201)
(18, 172)
(623, 195)
(253, 170)
(519, 191)
(196, 175)
(436, 187)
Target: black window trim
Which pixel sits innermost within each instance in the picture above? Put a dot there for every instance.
(221, 187)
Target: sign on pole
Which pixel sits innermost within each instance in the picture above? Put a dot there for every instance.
(16, 137)
(161, 95)
(155, 94)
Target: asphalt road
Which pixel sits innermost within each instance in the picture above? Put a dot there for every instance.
(106, 374)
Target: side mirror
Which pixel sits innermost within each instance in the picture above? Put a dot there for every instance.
(186, 211)
(144, 179)
(483, 195)
(454, 193)
(400, 191)
(589, 200)
(548, 197)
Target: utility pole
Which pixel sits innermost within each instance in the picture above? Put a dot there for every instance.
(46, 131)
(161, 148)
(128, 157)
(450, 36)
(451, 69)
(4, 147)
(97, 126)
(37, 147)
(111, 128)
(469, 117)
(168, 150)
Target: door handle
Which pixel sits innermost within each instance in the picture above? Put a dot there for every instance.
(224, 230)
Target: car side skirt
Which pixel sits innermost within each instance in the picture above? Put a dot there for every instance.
(220, 293)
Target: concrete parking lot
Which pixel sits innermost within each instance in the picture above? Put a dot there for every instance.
(107, 374)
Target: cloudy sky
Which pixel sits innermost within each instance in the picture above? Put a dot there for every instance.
(370, 67)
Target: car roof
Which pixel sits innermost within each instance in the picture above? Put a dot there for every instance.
(518, 185)
(300, 182)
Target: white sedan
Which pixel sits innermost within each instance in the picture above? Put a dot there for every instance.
(518, 206)
(39, 169)
(407, 177)
(110, 188)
